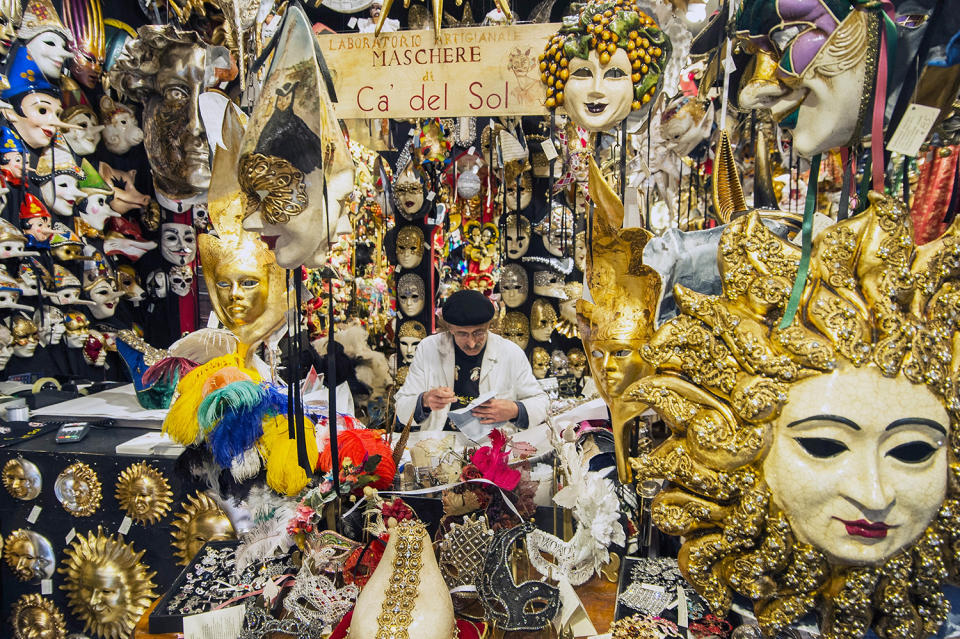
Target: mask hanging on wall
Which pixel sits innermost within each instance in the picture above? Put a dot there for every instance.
(78, 490)
(410, 247)
(181, 280)
(542, 318)
(516, 328)
(514, 285)
(411, 294)
(178, 243)
(11, 14)
(29, 556)
(408, 338)
(143, 493)
(22, 478)
(36, 617)
(121, 131)
(516, 236)
(50, 325)
(200, 521)
(84, 139)
(78, 328)
(57, 175)
(94, 210)
(85, 19)
(48, 41)
(25, 336)
(35, 115)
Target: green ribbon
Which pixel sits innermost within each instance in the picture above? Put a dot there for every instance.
(810, 207)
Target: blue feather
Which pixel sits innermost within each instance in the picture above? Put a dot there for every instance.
(232, 416)
(238, 396)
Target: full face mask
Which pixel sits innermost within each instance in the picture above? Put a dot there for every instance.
(21, 477)
(50, 325)
(58, 177)
(514, 285)
(86, 137)
(178, 243)
(157, 284)
(408, 338)
(557, 230)
(36, 103)
(411, 294)
(104, 294)
(604, 64)
(129, 283)
(542, 318)
(181, 280)
(11, 14)
(12, 242)
(121, 132)
(548, 284)
(510, 185)
(89, 51)
(540, 362)
(78, 329)
(6, 349)
(516, 236)
(126, 197)
(25, 336)
(577, 361)
(201, 217)
(410, 192)
(410, 247)
(516, 328)
(49, 42)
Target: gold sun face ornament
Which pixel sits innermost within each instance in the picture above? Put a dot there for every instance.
(811, 464)
(36, 617)
(143, 493)
(200, 521)
(29, 556)
(107, 584)
(78, 489)
(22, 479)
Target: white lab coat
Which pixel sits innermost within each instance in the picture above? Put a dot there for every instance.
(504, 369)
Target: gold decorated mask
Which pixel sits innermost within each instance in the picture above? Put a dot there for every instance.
(246, 285)
(78, 490)
(621, 318)
(107, 584)
(410, 245)
(542, 318)
(540, 362)
(36, 617)
(200, 521)
(577, 361)
(811, 454)
(516, 328)
(29, 555)
(21, 478)
(143, 493)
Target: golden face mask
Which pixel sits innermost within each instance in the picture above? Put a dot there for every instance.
(22, 479)
(200, 521)
(540, 362)
(516, 328)
(29, 555)
(143, 493)
(410, 245)
(542, 318)
(107, 584)
(36, 617)
(78, 490)
(839, 512)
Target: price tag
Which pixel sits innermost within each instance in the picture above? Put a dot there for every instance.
(476, 168)
(431, 195)
(125, 526)
(225, 623)
(352, 23)
(548, 149)
(71, 535)
(913, 129)
(34, 514)
(471, 150)
(46, 586)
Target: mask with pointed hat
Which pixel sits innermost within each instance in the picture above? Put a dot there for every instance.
(12, 153)
(35, 102)
(48, 40)
(65, 245)
(35, 220)
(292, 147)
(57, 174)
(83, 139)
(95, 209)
(34, 277)
(101, 288)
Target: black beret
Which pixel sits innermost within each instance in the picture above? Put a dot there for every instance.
(467, 308)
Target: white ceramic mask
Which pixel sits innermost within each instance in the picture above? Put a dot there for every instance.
(516, 237)
(599, 96)
(104, 295)
(61, 198)
(121, 132)
(83, 141)
(95, 210)
(178, 243)
(408, 348)
(6, 346)
(514, 285)
(411, 294)
(49, 50)
(50, 326)
(157, 284)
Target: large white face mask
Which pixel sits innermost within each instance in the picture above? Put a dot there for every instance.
(516, 237)
(61, 198)
(83, 141)
(181, 280)
(598, 96)
(410, 247)
(104, 296)
(514, 285)
(859, 480)
(408, 192)
(178, 243)
(49, 50)
(408, 348)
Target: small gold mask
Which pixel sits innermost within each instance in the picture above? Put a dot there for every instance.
(78, 490)
(107, 584)
(200, 521)
(21, 478)
(143, 493)
(29, 555)
(36, 617)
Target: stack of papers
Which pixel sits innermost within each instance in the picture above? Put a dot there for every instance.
(151, 444)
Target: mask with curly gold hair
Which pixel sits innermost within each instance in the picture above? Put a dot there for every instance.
(811, 464)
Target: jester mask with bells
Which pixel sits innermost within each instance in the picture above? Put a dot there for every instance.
(246, 285)
(621, 318)
(809, 465)
(292, 150)
(604, 62)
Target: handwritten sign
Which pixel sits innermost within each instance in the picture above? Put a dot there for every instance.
(407, 74)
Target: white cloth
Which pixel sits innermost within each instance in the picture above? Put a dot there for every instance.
(504, 369)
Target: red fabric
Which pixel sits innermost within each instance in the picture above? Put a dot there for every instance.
(938, 171)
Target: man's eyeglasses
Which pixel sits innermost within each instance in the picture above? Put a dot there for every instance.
(477, 334)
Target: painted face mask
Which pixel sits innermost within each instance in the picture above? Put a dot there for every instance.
(37, 120)
(577, 361)
(410, 247)
(201, 217)
(410, 192)
(542, 318)
(86, 137)
(516, 328)
(78, 329)
(58, 177)
(411, 294)
(104, 294)
(35, 220)
(12, 241)
(50, 325)
(557, 230)
(25, 336)
(130, 284)
(65, 245)
(516, 236)
(49, 42)
(293, 137)
(181, 280)
(126, 197)
(514, 285)
(548, 284)
(408, 338)
(178, 243)
(11, 14)
(121, 132)
(85, 20)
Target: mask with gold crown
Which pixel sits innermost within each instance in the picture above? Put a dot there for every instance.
(810, 466)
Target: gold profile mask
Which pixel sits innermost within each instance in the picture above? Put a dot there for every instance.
(200, 521)
(873, 304)
(22, 479)
(143, 493)
(29, 555)
(36, 617)
(246, 286)
(107, 584)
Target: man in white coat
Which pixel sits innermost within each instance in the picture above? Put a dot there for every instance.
(453, 368)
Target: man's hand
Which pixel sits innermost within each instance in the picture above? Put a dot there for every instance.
(438, 398)
(496, 410)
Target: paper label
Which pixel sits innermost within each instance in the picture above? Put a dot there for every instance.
(125, 526)
(46, 586)
(431, 195)
(548, 149)
(352, 23)
(572, 613)
(71, 535)
(34, 514)
(471, 150)
(225, 623)
(913, 129)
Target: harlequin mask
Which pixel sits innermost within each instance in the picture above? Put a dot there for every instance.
(516, 236)
(163, 70)
(410, 246)
(32, 275)
(58, 175)
(178, 243)
(812, 63)
(21, 477)
(514, 285)
(78, 328)
(408, 338)
(181, 280)
(539, 362)
(599, 80)
(95, 209)
(292, 147)
(411, 294)
(25, 336)
(516, 328)
(121, 132)
(542, 318)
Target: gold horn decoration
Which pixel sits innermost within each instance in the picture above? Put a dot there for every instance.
(727, 191)
(107, 583)
(622, 317)
(811, 468)
(143, 493)
(200, 521)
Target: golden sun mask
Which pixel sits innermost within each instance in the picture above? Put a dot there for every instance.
(143, 493)
(200, 521)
